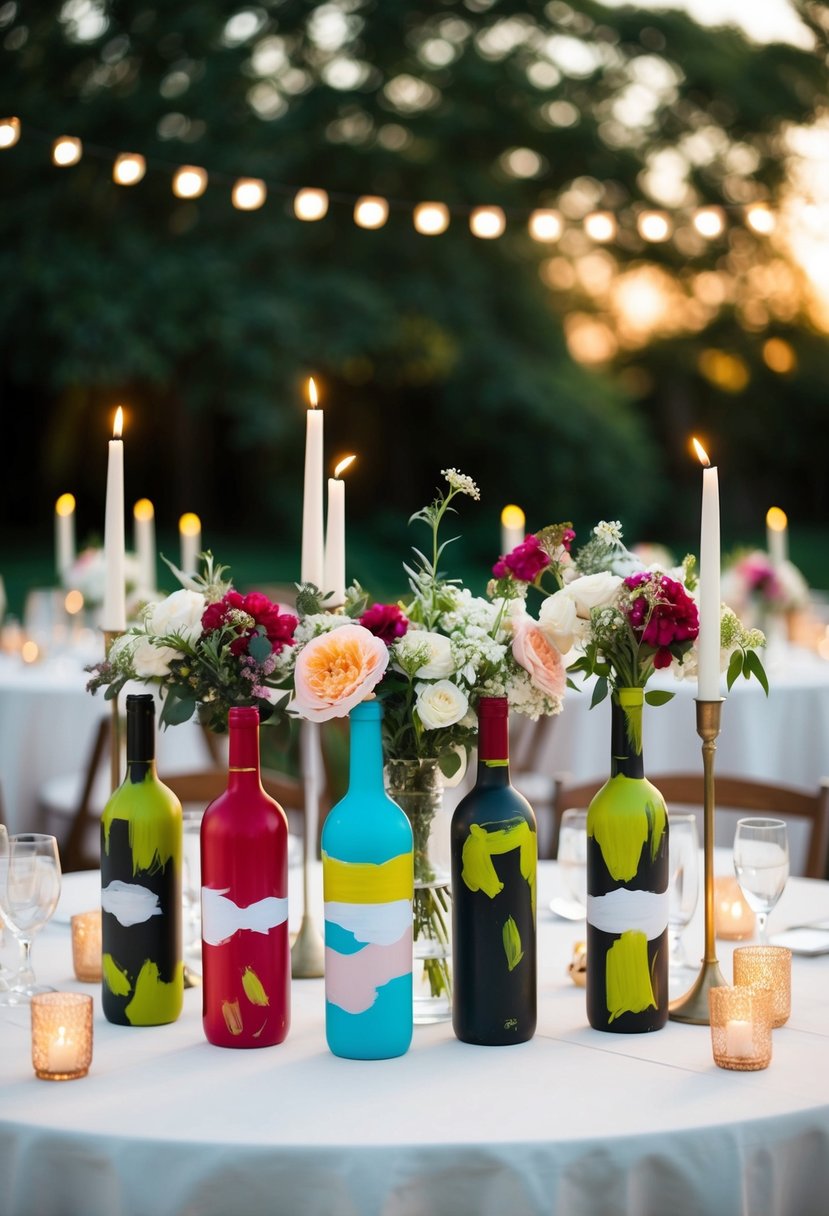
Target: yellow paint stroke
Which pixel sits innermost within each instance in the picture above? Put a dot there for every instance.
(366, 883)
(155, 1001)
(154, 821)
(512, 944)
(116, 980)
(620, 818)
(253, 987)
(232, 1015)
(628, 977)
(481, 846)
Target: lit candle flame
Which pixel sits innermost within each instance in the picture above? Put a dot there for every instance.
(701, 453)
(143, 509)
(189, 524)
(512, 516)
(312, 393)
(344, 464)
(118, 425)
(776, 519)
(65, 504)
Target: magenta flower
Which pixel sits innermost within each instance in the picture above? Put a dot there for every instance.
(234, 610)
(385, 621)
(662, 616)
(524, 563)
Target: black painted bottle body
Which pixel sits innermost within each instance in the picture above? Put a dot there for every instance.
(141, 845)
(494, 863)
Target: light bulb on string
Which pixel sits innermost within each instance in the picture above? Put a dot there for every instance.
(654, 226)
(709, 222)
(600, 226)
(9, 132)
(371, 211)
(431, 219)
(310, 204)
(128, 169)
(488, 223)
(545, 225)
(66, 150)
(249, 193)
(189, 181)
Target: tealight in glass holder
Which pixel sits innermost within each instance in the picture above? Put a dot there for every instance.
(741, 1022)
(61, 1035)
(767, 967)
(733, 918)
(86, 946)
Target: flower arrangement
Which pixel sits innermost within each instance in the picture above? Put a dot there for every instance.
(87, 574)
(753, 582)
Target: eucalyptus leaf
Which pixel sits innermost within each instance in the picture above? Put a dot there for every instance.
(259, 648)
(659, 696)
(177, 709)
(449, 762)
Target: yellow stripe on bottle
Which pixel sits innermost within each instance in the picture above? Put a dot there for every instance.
(366, 883)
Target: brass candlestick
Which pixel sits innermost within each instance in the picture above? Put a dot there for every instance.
(308, 951)
(693, 1006)
(115, 728)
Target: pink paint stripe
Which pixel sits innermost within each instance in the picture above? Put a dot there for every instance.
(352, 980)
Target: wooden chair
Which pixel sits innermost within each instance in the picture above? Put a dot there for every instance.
(809, 809)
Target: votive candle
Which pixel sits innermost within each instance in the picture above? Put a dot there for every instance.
(767, 967)
(741, 1021)
(86, 946)
(61, 1035)
(733, 918)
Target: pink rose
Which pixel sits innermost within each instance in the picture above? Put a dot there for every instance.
(537, 655)
(336, 671)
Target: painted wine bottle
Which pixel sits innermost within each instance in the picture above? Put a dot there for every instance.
(494, 862)
(143, 973)
(246, 954)
(627, 885)
(368, 884)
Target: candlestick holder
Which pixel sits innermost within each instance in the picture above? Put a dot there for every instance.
(308, 951)
(693, 1007)
(115, 726)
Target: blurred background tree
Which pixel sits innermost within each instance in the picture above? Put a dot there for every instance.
(564, 375)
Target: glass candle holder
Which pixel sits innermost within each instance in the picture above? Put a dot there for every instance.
(61, 1035)
(86, 946)
(740, 1027)
(767, 967)
(733, 918)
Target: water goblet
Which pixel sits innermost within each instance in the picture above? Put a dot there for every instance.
(761, 863)
(683, 884)
(29, 893)
(572, 864)
(191, 882)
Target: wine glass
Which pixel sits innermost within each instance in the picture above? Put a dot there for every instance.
(761, 863)
(683, 884)
(191, 882)
(29, 893)
(572, 865)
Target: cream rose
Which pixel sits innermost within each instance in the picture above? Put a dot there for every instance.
(593, 591)
(437, 648)
(559, 620)
(180, 613)
(440, 704)
(150, 661)
(534, 651)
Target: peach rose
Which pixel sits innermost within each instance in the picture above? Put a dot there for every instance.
(536, 654)
(336, 671)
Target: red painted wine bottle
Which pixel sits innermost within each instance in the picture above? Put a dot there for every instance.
(246, 955)
(143, 974)
(494, 862)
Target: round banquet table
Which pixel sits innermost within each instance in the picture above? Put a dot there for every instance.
(575, 1121)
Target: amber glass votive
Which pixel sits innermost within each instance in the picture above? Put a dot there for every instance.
(733, 918)
(86, 946)
(767, 967)
(61, 1035)
(740, 1027)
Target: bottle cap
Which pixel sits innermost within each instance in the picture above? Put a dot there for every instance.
(141, 703)
(493, 707)
(243, 715)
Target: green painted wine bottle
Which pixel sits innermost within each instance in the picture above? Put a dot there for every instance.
(143, 973)
(494, 862)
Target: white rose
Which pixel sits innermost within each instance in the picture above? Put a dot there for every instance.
(120, 652)
(593, 591)
(151, 661)
(558, 620)
(440, 704)
(180, 613)
(512, 612)
(439, 662)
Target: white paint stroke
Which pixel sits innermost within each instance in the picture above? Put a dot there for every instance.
(377, 924)
(221, 917)
(129, 903)
(645, 911)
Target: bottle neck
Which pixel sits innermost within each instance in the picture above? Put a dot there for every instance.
(140, 742)
(243, 755)
(493, 742)
(625, 760)
(365, 769)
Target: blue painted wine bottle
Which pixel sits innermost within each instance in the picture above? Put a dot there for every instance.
(627, 886)
(368, 885)
(143, 973)
(494, 863)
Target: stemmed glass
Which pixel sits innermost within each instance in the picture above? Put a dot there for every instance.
(761, 863)
(29, 893)
(572, 864)
(683, 884)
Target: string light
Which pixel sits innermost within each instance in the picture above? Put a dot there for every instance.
(760, 218)
(67, 150)
(310, 204)
(431, 219)
(249, 193)
(487, 222)
(600, 226)
(189, 182)
(370, 211)
(654, 226)
(709, 222)
(9, 132)
(546, 225)
(128, 169)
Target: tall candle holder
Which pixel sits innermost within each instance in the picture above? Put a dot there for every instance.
(693, 1007)
(308, 951)
(115, 728)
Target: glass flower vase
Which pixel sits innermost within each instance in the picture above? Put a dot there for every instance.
(416, 786)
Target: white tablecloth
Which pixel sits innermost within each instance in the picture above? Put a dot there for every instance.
(575, 1121)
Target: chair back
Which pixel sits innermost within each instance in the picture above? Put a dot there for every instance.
(805, 811)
